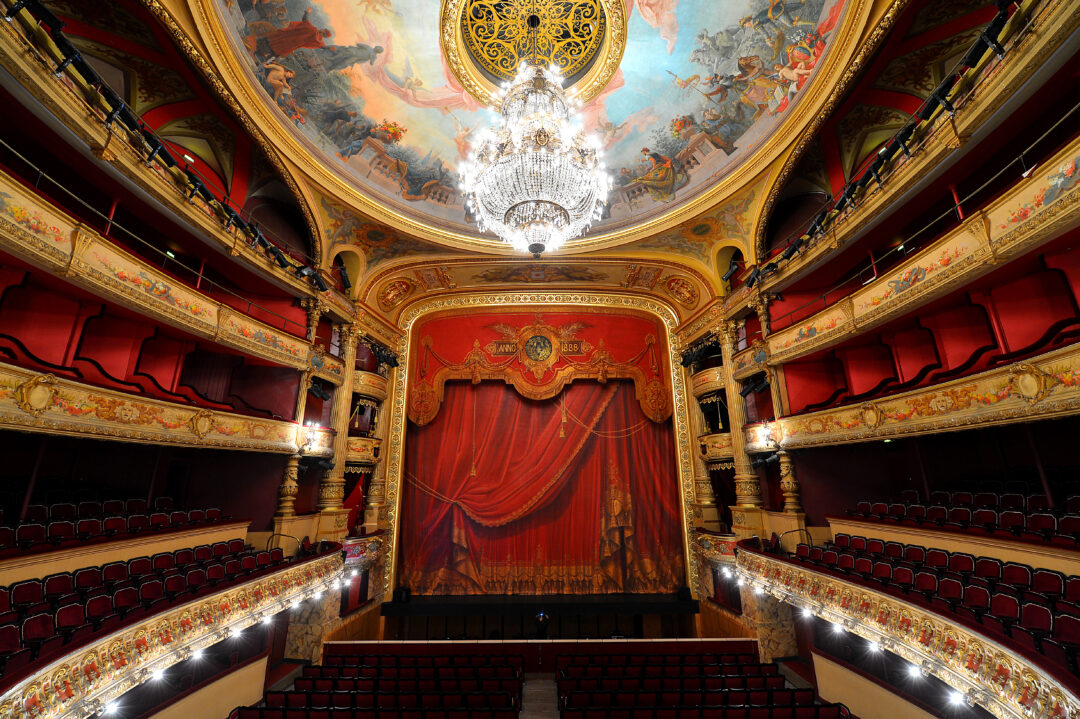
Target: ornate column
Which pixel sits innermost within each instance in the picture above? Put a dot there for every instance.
(289, 488)
(332, 487)
(315, 307)
(789, 484)
(705, 511)
(760, 304)
(747, 487)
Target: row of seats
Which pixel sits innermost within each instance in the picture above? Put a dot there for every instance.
(387, 684)
(1063, 530)
(1003, 598)
(386, 713)
(41, 513)
(817, 711)
(690, 669)
(671, 684)
(40, 626)
(34, 536)
(562, 661)
(404, 699)
(736, 697)
(467, 671)
(392, 660)
(992, 500)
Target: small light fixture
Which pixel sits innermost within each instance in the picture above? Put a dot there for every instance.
(188, 157)
(197, 654)
(914, 671)
(874, 647)
(807, 613)
(296, 604)
(170, 255)
(111, 708)
(739, 581)
(317, 595)
(886, 441)
(956, 698)
(727, 572)
(267, 620)
(353, 573)
(235, 633)
(838, 628)
(758, 590)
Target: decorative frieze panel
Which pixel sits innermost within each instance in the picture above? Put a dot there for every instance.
(363, 450)
(750, 361)
(31, 228)
(34, 402)
(1035, 211)
(369, 384)
(1005, 683)
(83, 683)
(1039, 388)
(716, 447)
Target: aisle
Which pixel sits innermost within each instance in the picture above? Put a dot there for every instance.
(539, 697)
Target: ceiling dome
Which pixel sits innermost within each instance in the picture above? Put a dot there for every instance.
(389, 96)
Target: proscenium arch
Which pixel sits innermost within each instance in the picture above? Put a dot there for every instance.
(533, 302)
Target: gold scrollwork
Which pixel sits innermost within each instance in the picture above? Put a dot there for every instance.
(1030, 383)
(497, 34)
(201, 423)
(36, 394)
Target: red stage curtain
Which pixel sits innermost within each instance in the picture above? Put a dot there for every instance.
(573, 495)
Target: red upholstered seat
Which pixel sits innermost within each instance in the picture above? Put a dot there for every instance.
(113, 507)
(88, 527)
(90, 510)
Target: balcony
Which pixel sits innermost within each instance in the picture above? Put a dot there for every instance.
(1000, 678)
(88, 678)
(363, 450)
(716, 447)
(707, 380)
(369, 384)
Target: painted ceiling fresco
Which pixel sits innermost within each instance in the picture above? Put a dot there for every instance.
(364, 83)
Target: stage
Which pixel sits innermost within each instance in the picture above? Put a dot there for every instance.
(603, 616)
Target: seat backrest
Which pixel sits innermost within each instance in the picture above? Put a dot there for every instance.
(1041, 522)
(962, 498)
(1067, 628)
(114, 572)
(976, 596)
(114, 524)
(909, 496)
(178, 519)
(988, 568)
(139, 566)
(926, 582)
(1005, 606)
(857, 544)
(236, 546)
(136, 506)
(1037, 503)
(950, 588)
(916, 511)
(37, 514)
(30, 533)
(70, 615)
(184, 556)
(960, 514)
(875, 547)
(961, 562)
(1072, 504)
(163, 561)
(220, 549)
(914, 553)
(37, 627)
(26, 592)
(1012, 501)
(99, 606)
(1016, 574)
(937, 558)
(90, 509)
(904, 576)
(984, 517)
(1037, 617)
(1011, 518)
(63, 511)
(113, 507)
(203, 553)
(894, 550)
(87, 578)
(57, 585)
(841, 540)
(940, 498)
(61, 530)
(125, 597)
(879, 508)
(897, 510)
(1048, 582)
(985, 499)
(937, 512)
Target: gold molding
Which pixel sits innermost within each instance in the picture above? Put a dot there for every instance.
(1042, 387)
(549, 302)
(83, 682)
(463, 67)
(999, 679)
(708, 380)
(716, 447)
(33, 402)
(362, 450)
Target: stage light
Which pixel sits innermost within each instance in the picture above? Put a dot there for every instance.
(345, 281)
(753, 277)
(769, 268)
(903, 137)
(791, 250)
(319, 283)
(914, 671)
(731, 270)
(303, 271)
(279, 257)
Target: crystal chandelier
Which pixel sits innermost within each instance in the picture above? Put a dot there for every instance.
(535, 178)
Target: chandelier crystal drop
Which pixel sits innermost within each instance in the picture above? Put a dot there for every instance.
(535, 178)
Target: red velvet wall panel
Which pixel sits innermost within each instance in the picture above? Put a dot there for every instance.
(812, 382)
(1068, 261)
(866, 367)
(959, 333)
(1027, 308)
(113, 343)
(162, 358)
(267, 388)
(41, 320)
(913, 351)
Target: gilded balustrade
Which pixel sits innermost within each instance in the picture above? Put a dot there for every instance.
(369, 384)
(707, 381)
(363, 450)
(996, 677)
(35, 402)
(1041, 387)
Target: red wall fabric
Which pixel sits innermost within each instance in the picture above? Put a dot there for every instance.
(502, 496)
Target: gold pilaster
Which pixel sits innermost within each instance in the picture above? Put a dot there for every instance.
(747, 486)
(332, 487)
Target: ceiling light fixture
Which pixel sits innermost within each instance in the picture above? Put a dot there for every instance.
(535, 178)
